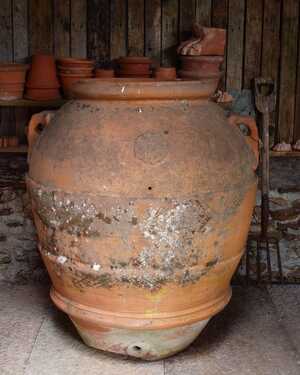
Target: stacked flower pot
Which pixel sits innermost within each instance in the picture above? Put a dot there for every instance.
(12, 81)
(134, 67)
(71, 70)
(202, 56)
(104, 73)
(42, 83)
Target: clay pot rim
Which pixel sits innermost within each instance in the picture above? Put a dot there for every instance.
(166, 69)
(105, 70)
(41, 87)
(70, 61)
(38, 97)
(11, 84)
(143, 89)
(78, 75)
(134, 60)
(14, 67)
(202, 58)
(199, 74)
(75, 68)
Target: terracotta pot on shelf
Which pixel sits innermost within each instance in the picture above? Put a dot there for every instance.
(42, 73)
(71, 62)
(206, 41)
(142, 198)
(104, 73)
(68, 80)
(12, 81)
(42, 94)
(165, 73)
(42, 83)
(13, 141)
(199, 67)
(12, 91)
(72, 70)
(132, 66)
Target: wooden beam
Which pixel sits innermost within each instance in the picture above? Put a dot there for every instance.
(20, 28)
(187, 17)
(21, 50)
(41, 26)
(297, 114)
(253, 41)
(62, 25)
(153, 29)
(7, 125)
(79, 28)
(204, 12)
(136, 28)
(6, 32)
(99, 30)
(118, 27)
(288, 73)
(270, 57)
(219, 13)
(220, 20)
(235, 46)
(169, 32)
(271, 39)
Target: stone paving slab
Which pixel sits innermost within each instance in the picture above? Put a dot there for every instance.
(246, 338)
(22, 311)
(286, 299)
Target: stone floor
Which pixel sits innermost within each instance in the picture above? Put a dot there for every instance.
(257, 334)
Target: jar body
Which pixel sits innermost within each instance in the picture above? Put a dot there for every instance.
(142, 209)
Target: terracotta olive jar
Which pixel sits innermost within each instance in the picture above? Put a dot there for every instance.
(142, 193)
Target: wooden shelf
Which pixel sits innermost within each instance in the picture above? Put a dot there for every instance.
(22, 149)
(32, 103)
(276, 154)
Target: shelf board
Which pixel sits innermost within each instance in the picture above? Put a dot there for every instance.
(294, 154)
(32, 103)
(22, 149)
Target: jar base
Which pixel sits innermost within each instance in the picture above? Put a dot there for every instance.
(150, 345)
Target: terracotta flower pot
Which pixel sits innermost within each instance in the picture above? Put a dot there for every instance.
(207, 41)
(42, 94)
(165, 73)
(13, 73)
(197, 67)
(134, 67)
(72, 70)
(42, 74)
(76, 63)
(104, 73)
(12, 80)
(142, 194)
(11, 91)
(67, 81)
(13, 141)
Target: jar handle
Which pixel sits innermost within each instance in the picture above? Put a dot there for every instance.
(36, 125)
(253, 138)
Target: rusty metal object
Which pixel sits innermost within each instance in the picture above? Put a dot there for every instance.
(142, 195)
(265, 101)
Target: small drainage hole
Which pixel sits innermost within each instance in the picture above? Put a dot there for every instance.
(137, 348)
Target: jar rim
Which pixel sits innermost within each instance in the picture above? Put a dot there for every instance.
(143, 88)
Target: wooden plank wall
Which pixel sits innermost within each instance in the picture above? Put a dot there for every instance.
(263, 39)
